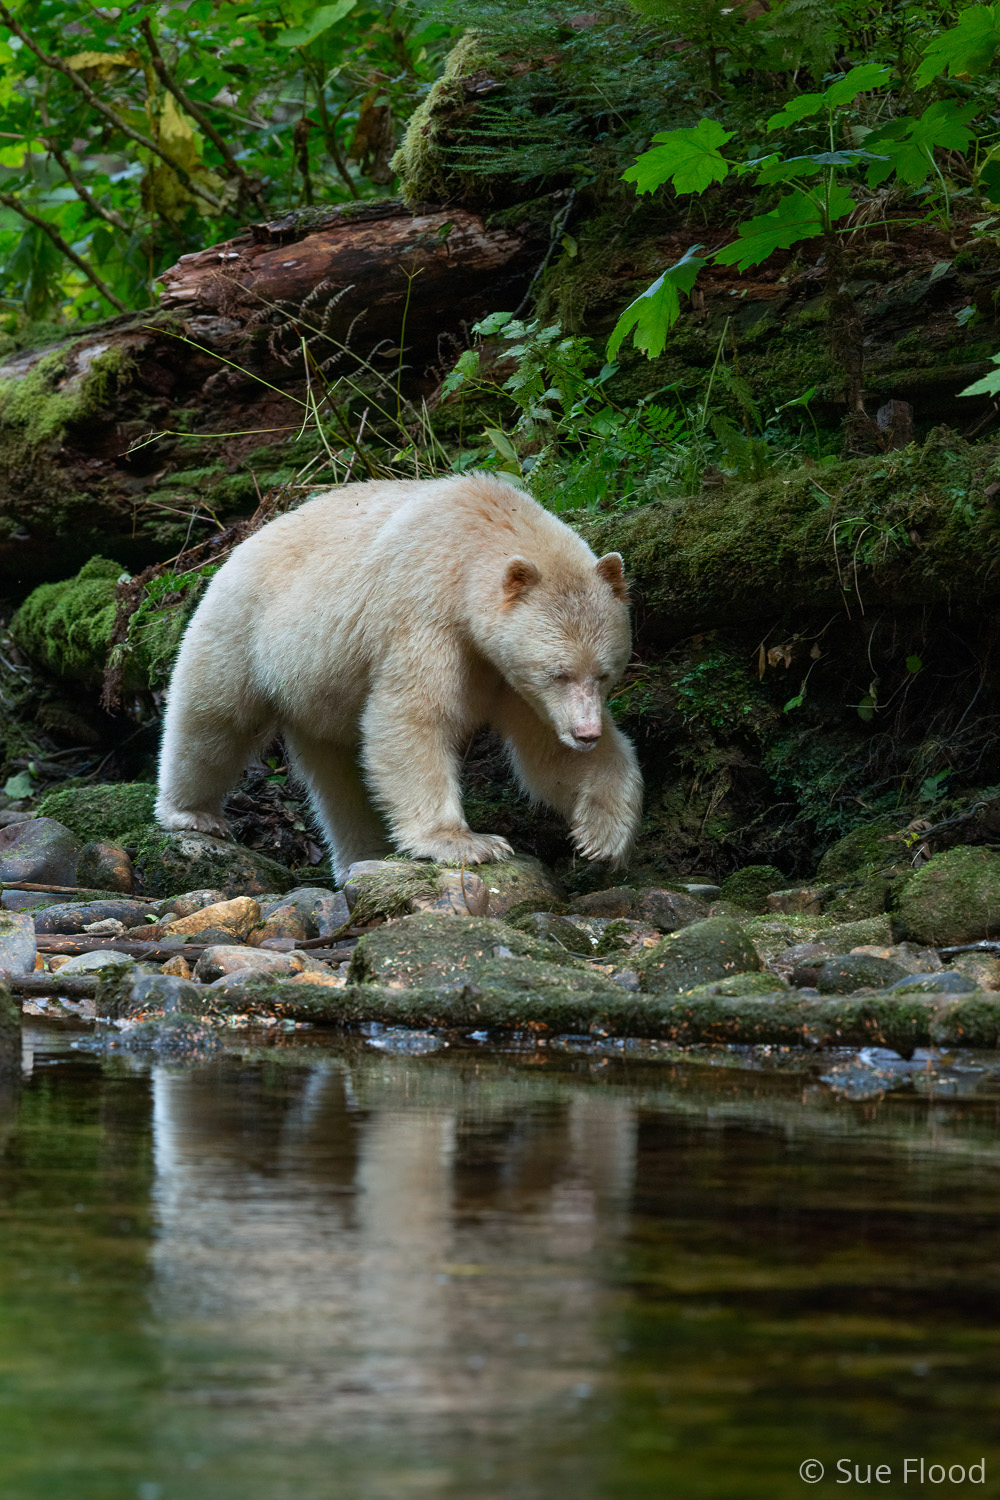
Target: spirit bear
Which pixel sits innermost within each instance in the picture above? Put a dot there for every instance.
(377, 626)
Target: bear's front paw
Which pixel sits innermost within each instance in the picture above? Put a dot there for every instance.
(193, 822)
(451, 847)
(603, 834)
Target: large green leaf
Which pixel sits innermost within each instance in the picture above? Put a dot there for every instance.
(844, 91)
(965, 49)
(651, 316)
(797, 216)
(690, 159)
(907, 144)
(321, 20)
(988, 386)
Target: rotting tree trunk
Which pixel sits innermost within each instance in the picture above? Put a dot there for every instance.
(223, 355)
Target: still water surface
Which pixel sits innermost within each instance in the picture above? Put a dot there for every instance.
(310, 1270)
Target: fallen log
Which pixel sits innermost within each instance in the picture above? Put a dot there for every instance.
(901, 1024)
(160, 952)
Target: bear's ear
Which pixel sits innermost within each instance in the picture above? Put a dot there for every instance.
(611, 568)
(518, 577)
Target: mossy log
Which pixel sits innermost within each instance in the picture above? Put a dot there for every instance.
(781, 1020)
(911, 528)
(366, 275)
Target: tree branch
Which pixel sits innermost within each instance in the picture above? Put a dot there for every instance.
(197, 113)
(11, 202)
(83, 193)
(96, 102)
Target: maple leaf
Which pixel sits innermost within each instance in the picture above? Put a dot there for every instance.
(966, 48)
(690, 159)
(655, 311)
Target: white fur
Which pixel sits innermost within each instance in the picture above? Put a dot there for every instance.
(378, 626)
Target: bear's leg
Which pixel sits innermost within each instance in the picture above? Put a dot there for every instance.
(598, 791)
(351, 827)
(201, 757)
(411, 765)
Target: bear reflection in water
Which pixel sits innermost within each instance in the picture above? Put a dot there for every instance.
(377, 627)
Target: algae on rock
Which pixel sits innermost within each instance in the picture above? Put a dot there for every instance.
(101, 813)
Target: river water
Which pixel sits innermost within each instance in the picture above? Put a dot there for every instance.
(315, 1268)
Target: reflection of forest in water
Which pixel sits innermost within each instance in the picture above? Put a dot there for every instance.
(489, 1275)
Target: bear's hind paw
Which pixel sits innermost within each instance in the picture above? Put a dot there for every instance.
(462, 845)
(194, 822)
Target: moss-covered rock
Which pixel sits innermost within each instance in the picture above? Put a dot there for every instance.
(751, 886)
(697, 955)
(66, 627)
(431, 948)
(863, 851)
(762, 982)
(954, 898)
(101, 813)
(426, 171)
(550, 928)
(844, 974)
(167, 863)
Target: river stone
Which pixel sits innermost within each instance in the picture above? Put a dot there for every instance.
(945, 982)
(105, 867)
(751, 886)
(166, 992)
(863, 851)
(511, 882)
(984, 968)
(306, 912)
(611, 935)
(237, 918)
(807, 899)
(93, 963)
(386, 887)
(40, 850)
(761, 982)
(429, 948)
(667, 911)
(460, 891)
(168, 862)
(224, 959)
(71, 917)
(189, 901)
(24, 900)
(173, 1035)
(844, 973)
(18, 952)
(697, 955)
(552, 929)
(953, 898)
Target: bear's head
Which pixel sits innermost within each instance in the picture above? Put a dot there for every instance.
(562, 642)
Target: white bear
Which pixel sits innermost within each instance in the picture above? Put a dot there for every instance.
(377, 626)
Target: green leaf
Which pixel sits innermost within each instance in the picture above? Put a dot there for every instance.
(964, 49)
(502, 444)
(913, 664)
(844, 91)
(321, 20)
(21, 785)
(988, 386)
(796, 217)
(492, 323)
(655, 311)
(690, 159)
(787, 169)
(906, 145)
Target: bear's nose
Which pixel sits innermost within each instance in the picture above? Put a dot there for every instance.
(587, 734)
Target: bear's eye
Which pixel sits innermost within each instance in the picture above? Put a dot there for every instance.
(561, 676)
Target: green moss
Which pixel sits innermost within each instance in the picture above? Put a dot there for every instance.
(101, 812)
(785, 542)
(748, 887)
(167, 864)
(63, 389)
(953, 898)
(67, 626)
(425, 172)
(867, 848)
